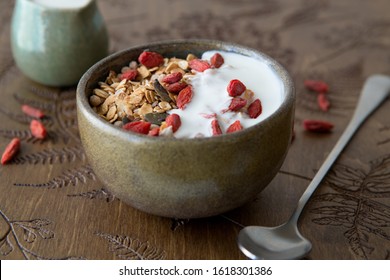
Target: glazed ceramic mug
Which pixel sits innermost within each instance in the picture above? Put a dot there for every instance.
(55, 42)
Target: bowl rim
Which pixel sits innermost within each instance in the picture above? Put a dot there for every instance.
(285, 78)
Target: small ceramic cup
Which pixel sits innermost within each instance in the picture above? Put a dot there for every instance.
(185, 178)
(55, 45)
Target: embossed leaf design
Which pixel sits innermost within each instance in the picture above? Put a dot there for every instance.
(96, 194)
(5, 246)
(374, 183)
(131, 249)
(69, 177)
(32, 229)
(50, 156)
(353, 206)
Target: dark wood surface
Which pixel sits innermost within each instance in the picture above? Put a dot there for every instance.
(53, 207)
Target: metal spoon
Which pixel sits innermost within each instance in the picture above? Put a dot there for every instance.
(285, 241)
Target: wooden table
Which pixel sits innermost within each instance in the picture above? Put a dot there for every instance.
(52, 206)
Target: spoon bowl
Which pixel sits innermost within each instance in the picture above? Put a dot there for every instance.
(273, 243)
(285, 241)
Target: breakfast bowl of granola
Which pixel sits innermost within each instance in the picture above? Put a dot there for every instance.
(186, 128)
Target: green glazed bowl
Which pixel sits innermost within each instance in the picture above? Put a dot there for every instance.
(184, 178)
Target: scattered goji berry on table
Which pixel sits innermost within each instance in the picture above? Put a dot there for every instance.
(11, 150)
(216, 129)
(216, 60)
(316, 85)
(129, 75)
(174, 121)
(255, 109)
(317, 126)
(172, 78)
(151, 59)
(176, 87)
(235, 88)
(323, 102)
(32, 112)
(237, 103)
(236, 126)
(184, 97)
(138, 127)
(37, 129)
(199, 65)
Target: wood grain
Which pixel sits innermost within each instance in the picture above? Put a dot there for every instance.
(52, 206)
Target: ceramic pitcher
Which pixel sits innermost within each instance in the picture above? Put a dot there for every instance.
(55, 41)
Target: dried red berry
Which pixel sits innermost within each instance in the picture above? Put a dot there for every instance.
(235, 88)
(38, 130)
(216, 60)
(172, 78)
(10, 151)
(317, 126)
(208, 116)
(199, 65)
(316, 85)
(323, 102)
(216, 129)
(176, 87)
(237, 103)
(236, 126)
(129, 75)
(138, 127)
(151, 59)
(255, 109)
(184, 97)
(32, 112)
(174, 121)
(154, 131)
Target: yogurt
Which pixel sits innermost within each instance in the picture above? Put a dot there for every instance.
(62, 4)
(210, 96)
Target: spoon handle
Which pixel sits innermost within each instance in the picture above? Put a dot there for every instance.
(376, 89)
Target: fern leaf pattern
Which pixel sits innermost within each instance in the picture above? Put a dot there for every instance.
(46, 106)
(102, 194)
(22, 233)
(34, 228)
(51, 156)
(354, 207)
(67, 178)
(128, 248)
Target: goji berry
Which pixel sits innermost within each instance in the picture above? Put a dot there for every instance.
(317, 126)
(37, 129)
(316, 85)
(199, 65)
(323, 102)
(154, 131)
(174, 121)
(184, 97)
(129, 75)
(236, 126)
(151, 59)
(172, 78)
(176, 87)
(237, 103)
(138, 127)
(216, 129)
(208, 116)
(255, 109)
(216, 60)
(11, 150)
(235, 88)
(32, 112)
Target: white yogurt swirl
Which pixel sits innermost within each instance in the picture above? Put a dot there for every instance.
(210, 94)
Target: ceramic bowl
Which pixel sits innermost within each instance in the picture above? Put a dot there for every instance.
(184, 178)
